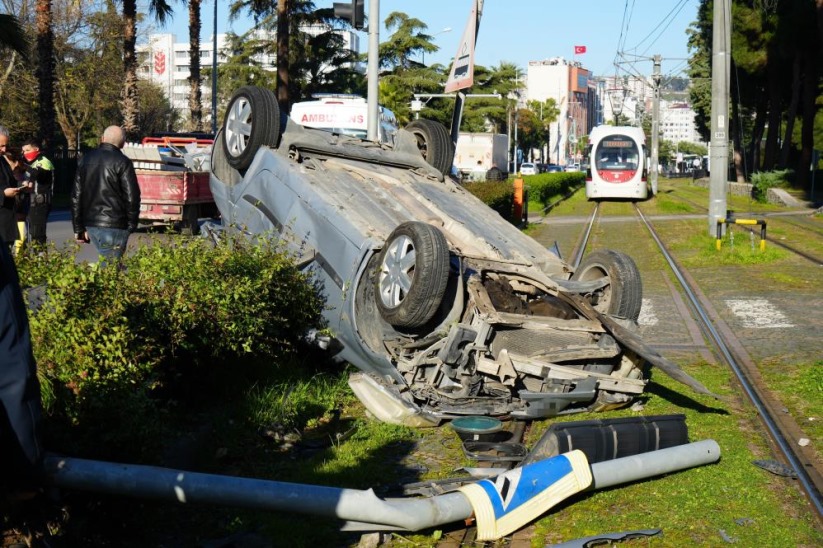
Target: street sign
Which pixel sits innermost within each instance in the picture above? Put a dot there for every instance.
(462, 72)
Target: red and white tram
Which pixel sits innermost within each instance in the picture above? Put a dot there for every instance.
(618, 164)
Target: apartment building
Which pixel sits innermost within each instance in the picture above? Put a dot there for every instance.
(570, 85)
(166, 62)
(677, 123)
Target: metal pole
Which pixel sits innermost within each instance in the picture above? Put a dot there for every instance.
(374, 45)
(362, 508)
(214, 74)
(719, 147)
(655, 157)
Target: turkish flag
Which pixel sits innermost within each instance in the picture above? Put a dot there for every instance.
(579, 49)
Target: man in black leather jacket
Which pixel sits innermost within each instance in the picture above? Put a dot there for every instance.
(105, 199)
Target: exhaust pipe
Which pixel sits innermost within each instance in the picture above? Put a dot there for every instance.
(366, 511)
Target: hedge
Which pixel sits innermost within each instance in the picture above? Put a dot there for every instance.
(498, 195)
(111, 342)
(547, 187)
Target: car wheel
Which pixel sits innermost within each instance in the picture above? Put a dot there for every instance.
(434, 143)
(252, 120)
(623, 296)
(413, 274)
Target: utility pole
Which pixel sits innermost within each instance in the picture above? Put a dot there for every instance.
(719, 145)
(373, 60)
(655, 159)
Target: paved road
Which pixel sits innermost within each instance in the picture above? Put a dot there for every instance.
(60, 232)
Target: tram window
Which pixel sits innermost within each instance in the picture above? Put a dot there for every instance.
(617, 153)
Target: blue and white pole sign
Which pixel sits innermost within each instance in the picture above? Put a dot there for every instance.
(506, 503)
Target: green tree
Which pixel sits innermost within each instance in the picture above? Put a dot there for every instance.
(775, 82)
(403, 76)
(547, 112)
(87, 85)
(156, 112)
(407, 40)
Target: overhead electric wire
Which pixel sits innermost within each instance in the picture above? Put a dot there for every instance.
(665, 23)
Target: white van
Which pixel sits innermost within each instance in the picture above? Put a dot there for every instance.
(344, 114)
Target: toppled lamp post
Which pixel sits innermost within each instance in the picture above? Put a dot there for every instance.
(550, 481)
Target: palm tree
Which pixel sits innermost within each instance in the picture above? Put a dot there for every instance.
(45, 70)
(12, 35)
(195, 103)
(130, 107)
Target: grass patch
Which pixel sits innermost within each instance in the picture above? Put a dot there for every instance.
(667, 204)
(800, 388)
(692, 506)
(699, 250)
(576, 204)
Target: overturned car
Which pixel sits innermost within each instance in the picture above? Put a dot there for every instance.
(446, 308)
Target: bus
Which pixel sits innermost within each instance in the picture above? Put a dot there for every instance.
(344, 114)
(618, 164)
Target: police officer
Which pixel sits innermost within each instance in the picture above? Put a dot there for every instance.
(41, 171)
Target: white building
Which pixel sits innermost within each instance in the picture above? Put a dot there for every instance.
(624, 96)
(677, 123)
(166, 63)
(568, 84)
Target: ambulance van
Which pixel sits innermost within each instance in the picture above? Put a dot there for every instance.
(344, 114)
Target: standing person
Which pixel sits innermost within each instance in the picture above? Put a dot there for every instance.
(23, 202)
(105, 198)
(9, 188)
(41, 172)
(20, 404)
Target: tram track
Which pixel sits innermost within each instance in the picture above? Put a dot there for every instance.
(780, 426)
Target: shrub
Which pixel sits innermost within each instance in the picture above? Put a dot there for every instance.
(547, 187)
(764, 180)
(497, 195)
(109, 341)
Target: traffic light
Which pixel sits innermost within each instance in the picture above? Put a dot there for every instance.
(353, 11)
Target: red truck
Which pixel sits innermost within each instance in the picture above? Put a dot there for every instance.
(175, 197)
(171, 192)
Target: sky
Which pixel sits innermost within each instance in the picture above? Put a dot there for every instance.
(519, 31)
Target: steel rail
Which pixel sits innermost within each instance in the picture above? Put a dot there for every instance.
(584, 241)
(812, 491)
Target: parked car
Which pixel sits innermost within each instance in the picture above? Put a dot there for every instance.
(528, 169)
(446, 308)
(573, 166)
(553, 168)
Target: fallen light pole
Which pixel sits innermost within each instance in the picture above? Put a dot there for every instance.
(545, 483)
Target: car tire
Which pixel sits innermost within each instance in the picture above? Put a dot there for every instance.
(434, 143)
(623, 296)
(252, 120)
(413, 271)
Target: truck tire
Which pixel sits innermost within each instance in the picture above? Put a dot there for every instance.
(252, 120)
(413, 273)
(434, 143)
(494, 174)
(623, 296)
(190, 226)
